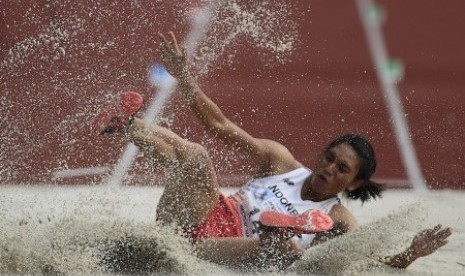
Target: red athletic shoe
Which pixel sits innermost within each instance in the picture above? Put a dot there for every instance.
(115, 116)
(309, 222)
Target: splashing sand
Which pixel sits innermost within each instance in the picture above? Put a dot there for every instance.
(89, 230)
(265, 26)
(78, 59)
(89, 238)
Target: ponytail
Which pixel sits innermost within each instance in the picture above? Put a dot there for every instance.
(367, 191)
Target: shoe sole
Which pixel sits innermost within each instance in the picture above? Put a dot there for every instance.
(112, 117)
(310, 222)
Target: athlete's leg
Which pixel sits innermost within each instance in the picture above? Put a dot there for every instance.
(191, 191)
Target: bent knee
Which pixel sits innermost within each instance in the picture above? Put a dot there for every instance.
(193, 151)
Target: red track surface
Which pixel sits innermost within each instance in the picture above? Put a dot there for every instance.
(327, 88)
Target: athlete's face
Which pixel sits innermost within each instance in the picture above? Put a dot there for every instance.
(335, 171)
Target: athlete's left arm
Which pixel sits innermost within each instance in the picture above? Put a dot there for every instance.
(423, 244)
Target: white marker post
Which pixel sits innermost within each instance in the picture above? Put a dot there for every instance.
(389, 73)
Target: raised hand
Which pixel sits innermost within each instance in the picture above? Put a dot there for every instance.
(173, 56)
(423, 244)
(429, 240)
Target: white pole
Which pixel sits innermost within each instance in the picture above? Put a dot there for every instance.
(372, 26)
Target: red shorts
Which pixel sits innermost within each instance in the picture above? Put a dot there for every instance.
(223, 221)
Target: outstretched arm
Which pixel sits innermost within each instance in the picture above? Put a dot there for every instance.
(424, 243)
(263, 151)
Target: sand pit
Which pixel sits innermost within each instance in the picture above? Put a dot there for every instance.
(65, 229)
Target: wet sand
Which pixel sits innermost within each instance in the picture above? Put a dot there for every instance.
(82, 210)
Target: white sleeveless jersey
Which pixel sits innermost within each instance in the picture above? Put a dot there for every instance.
(279, 193)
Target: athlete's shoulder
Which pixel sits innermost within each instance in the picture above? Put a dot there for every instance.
(275, 159)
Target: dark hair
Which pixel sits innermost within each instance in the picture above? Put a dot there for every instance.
(369, 189)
